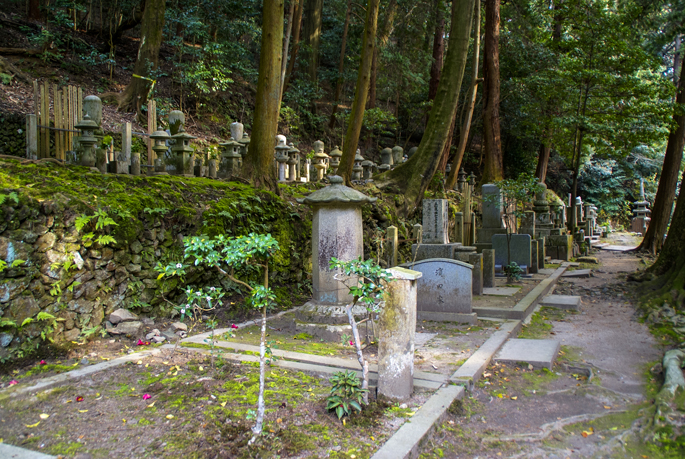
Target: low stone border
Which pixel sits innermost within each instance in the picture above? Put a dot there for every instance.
(14, 452)
(524, 307)
(55, 380)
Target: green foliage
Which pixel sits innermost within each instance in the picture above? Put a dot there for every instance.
(369, 288)
(9, 197)
(346, 393)
(99, 221)
(15, 264)
(513, 271)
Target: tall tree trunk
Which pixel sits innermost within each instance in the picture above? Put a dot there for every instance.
(341, 65)
(34, 10)
(438, 50)
(286, 45)
(361, 92)
(258, 166)
(412, 177)
(470, 102)
(312, 36)
(543, 159)
(665, 194)
(136, 93)
(381, 42)
(297, 26)
(493, 168)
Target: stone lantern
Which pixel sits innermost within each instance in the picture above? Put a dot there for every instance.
(282, 158)
(230, 159)
(335, 155)
(461, 181)
(87, 140)
(386, 160)
(337, 231)
(368, 170)
(183, 152)
(160, 147)
(293, 163)
(320, 160)
(397, 154)
(358, 168)
(244, 142)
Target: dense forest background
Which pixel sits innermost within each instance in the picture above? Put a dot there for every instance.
(591, 83)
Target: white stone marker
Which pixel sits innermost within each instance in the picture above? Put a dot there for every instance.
(397, 328)
(435, 221)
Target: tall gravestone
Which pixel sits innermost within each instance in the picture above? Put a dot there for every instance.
(512, 248)
(336, 232)
(492, 217)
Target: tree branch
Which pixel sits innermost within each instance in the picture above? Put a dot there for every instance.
(233, 279)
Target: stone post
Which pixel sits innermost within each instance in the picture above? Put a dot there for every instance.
(397, 154)
(126, 143)
(31, 137)
(476, 259)
(458, 228)
(417, 233)
(533, 257)
(135, 163)
(397, 329)
(386, 160)
(541, 252)
(472, 229)
(488, 268)
(391, 245)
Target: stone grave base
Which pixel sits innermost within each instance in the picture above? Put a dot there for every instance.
(501, 291)
(462, 318)
(561, 302)
(327, 322)
(578, 273)
(540, 353)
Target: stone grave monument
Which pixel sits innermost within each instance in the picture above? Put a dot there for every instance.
(512, 248)
(336, 232)
(492, 217)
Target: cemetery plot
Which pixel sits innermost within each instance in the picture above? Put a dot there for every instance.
(524, 286)
(179, 405)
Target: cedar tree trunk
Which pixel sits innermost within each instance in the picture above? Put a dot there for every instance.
(312, 36)
(470, 103)
(258, 166)
(360, 94)
(341, 66)
(492, 142)
(412, 177)
(438, 50)
(136, 93)
(383, 36)
(297, 25)
(665, 194)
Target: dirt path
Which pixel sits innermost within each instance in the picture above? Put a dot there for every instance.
(588, 404)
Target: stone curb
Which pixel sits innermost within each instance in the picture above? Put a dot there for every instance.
(524, 307)
(14, 452)
(47, 383)
(406, 441)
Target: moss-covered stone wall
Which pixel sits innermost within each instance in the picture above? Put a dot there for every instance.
(12, 134)
(75, 282)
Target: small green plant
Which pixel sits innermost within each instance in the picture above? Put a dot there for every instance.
(16, 263)
(9, 197)
(156, 211)
(346, 393)
(49, 327)
(513, 271)
(99, 221)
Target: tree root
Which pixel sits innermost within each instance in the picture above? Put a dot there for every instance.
(673, 361)
(547, 429)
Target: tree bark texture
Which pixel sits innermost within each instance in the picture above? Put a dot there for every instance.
(34, 10)
(286, 45)
(312, 36)
(361, 92)
(297, 26)
(493, 168)
(258, 165)
(543, 160)
(136, 93)
(341, 66)
(470, 102)
(412, 177)
(438, 50)
(382, 40)
(665, 194)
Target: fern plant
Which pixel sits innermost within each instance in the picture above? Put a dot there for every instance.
(99, 220)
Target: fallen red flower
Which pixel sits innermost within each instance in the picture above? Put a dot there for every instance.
(43, 362)
(79, 399)
(234, 326)
(13, 382)
(143, 343)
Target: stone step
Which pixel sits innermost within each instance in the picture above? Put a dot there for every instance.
(578, 274)
(561, 302)
(501, 291)
(540, 353)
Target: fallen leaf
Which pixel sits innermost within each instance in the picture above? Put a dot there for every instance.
(170, 416)
(513, 398)
(223, 404)
(151, 405)
(82, 411)
(32, 425)
(607, 407)
(279, 420)
(201, 368)
(139, 362)
(44, 416)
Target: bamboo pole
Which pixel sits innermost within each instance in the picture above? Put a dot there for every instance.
(56, 109)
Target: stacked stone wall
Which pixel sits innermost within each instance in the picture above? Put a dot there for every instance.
(12, 134)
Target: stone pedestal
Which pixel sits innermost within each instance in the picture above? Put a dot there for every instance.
(397, 328)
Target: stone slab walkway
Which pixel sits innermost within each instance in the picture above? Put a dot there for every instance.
(570, 302)
(540, 353)
(14, 452)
